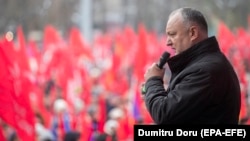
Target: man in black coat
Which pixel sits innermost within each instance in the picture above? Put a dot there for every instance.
(204, 88)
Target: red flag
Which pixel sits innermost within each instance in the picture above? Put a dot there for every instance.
(15, 106)
(226, 38)
(21, 50)
(243, 44)
(241, 72)
(6, 90)
(8, 48)
(37, 103)
(24, 115)
(129, 36)
(52, 38)
(101, 113)
(125, 127)
(2, 137)
(85, 127)
(78, 44)
(141, 54)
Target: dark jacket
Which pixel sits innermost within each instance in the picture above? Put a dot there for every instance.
(203, 89)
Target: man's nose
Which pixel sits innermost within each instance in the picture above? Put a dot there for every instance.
(168, 42)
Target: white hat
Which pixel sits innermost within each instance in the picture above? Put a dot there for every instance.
(116, 113)
(60, 105)
(110, 126)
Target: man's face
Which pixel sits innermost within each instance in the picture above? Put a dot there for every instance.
(178, 35)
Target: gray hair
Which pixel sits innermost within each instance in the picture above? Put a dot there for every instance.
(191, 15)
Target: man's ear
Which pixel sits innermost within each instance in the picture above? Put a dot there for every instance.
(193, 32)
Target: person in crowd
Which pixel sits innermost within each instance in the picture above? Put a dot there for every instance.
(110, 131)
(42, 133)
(72, 136)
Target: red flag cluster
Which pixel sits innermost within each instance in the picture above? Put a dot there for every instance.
(236, 46)
(36, 75)
(93, 78)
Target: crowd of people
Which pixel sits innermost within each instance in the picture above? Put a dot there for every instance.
(91, 91)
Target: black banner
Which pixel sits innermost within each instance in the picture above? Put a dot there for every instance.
(197, 132)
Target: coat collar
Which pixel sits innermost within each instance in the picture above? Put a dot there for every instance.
(180, 61)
